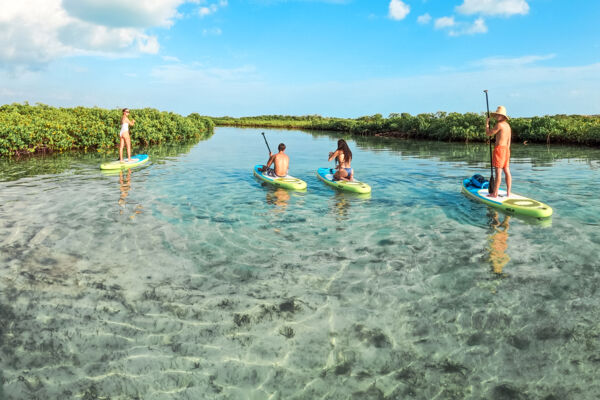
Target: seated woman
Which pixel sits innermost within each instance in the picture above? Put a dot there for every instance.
(344, 158)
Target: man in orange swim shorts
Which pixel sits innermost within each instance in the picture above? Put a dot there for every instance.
(501, 155)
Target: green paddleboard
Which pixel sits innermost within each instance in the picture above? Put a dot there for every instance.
(513, 204)
(135, 161)
(286, 182)
(326, 175)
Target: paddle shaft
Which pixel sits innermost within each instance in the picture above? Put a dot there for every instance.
(263, 135)
(491, 184)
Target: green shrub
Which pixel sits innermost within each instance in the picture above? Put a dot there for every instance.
(442, 126)
(29, 129)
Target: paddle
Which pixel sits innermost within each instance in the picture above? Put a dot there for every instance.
(264, 137)
(491, 184)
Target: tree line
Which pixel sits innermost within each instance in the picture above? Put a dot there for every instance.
(441, 126)
(39, 128)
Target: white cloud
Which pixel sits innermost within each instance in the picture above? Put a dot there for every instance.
(124, 13)
(478, 26)
(170, 59)
(212, 32)
(36, 32)
(444, 22)
(203, 11)
(398, 9)
(504, 62)
(28, 31)
(455, 28)
(148, 44)
(494, 7)
(424, 19)
(212, 8)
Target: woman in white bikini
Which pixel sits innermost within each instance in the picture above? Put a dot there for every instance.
(124, 134)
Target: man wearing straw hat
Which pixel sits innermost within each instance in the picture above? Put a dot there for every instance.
(501, 156)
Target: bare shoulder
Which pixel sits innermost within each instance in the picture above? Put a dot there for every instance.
(504, 126)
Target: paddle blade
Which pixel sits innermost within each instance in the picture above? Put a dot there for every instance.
(491, 184)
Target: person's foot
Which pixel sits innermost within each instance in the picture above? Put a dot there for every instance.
(492, 195)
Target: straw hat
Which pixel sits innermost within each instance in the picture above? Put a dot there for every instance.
(500, 111)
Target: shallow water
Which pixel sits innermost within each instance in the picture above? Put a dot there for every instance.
(187, 279)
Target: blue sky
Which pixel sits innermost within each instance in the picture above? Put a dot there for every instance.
(345, 58)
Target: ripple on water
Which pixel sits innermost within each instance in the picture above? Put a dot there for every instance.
(187, 279)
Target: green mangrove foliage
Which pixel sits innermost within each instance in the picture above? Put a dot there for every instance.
(441, 126)
(270, 121)
(40, 128)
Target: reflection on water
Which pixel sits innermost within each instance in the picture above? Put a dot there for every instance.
(341, 204)
(232, 290)
(80, 161)
(279, 198)
(125, 185)
(498, 241)
(538, 155)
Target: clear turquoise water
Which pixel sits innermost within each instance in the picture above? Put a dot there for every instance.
(187, 279)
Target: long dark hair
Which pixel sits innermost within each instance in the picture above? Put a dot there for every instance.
(343, 146)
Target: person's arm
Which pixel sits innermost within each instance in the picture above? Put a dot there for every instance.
(333, 155)
(130, 121)
(493, 131)
(271, 159)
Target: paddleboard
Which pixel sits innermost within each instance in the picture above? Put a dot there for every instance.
(326, 175)
(135, 161)
(286, 182)
(513, 204)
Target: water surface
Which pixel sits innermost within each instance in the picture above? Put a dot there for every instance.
(188, 279)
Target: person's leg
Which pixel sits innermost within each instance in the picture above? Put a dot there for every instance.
(128, 141)
(508, 177)
(497, 181)
(121, 149)
(341, 175)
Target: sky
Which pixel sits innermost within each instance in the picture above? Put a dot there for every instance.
(340, 58)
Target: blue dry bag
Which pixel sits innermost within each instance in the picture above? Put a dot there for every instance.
(478, 181)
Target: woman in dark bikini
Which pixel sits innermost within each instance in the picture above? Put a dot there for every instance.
(344, 157)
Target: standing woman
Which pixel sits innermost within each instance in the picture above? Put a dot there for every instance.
(124, 134)
(344, 157)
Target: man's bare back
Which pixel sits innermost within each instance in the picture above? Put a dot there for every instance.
(503, 134)
(280, 161)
